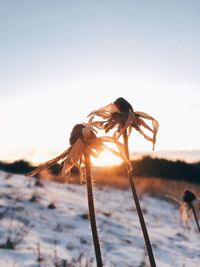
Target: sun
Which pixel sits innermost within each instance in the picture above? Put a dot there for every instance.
(106, 158)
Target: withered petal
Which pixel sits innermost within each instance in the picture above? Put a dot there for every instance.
(49, 163)
(104, 112)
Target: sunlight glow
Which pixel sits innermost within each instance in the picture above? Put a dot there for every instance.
(106, 158)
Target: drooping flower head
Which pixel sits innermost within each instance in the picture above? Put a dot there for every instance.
(189, 201)
(188, 197)
(189, 205)
(120, 115)
(82, 140)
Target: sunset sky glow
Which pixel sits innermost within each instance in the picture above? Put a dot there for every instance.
(62, 59)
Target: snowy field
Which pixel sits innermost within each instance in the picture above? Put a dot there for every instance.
(48, 226)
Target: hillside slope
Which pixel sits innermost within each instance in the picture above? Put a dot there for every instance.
(40, 234)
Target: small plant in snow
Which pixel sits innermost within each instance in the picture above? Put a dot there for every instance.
(16, 234)
(189, 205)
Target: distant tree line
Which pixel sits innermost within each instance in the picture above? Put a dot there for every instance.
(23, 167)
(177, 170)
(146, 166)
(161, 168)
(18, 167)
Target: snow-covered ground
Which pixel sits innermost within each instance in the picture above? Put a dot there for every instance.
(42, 236)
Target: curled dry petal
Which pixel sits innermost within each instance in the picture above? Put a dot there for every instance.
(104, 112)
(88, 132)
(155, 125)
(176, 200)
(49, 163)
(134, 120)
(144, 124)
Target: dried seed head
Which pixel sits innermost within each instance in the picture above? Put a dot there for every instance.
(188, 197)
(83, 132)
(120, 115)
(123, 105)
(76, 133)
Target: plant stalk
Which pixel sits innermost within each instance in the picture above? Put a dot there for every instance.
(92, 211)
(195, 217)
(138, 207)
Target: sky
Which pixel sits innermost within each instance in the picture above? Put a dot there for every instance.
(62, 59)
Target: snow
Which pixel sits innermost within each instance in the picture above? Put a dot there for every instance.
(53, 237)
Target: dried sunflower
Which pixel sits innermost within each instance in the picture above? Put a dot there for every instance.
(83, 143)
(83, 140)
(121, 115)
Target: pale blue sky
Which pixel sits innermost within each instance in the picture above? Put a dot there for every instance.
(61, 59)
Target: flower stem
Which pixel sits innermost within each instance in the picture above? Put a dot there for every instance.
(195, 217)
(92, 211)
(138, 207)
